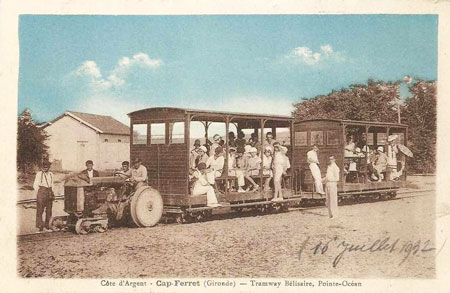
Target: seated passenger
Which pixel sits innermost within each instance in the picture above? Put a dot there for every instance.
(253, 167)
(231, 139)
(198, 157)
(349, 149)
(215, 165)
(267, 167)
(240, 142)
(217, 138)
(202, 186)
(234, 171)
(241, 169)
(359, 153)
(269, 141)
(380, 164)
(253, 141)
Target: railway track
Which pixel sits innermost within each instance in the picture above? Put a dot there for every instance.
(45, 236)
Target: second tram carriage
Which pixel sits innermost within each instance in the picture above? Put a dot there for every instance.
(162, 139)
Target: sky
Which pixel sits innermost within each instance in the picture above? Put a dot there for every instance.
(112, 65)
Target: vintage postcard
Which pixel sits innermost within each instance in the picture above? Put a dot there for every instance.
(171, 146)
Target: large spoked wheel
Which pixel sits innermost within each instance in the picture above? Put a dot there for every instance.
(146, 207)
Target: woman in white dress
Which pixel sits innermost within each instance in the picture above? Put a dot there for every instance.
(202, 186)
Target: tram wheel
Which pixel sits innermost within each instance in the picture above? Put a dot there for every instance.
(146, 207)
(82, 227)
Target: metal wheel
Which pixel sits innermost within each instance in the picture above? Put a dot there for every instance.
(82, 227)
(146, 207)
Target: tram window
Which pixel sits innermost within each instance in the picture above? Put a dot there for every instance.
(139, 133)
(332, 137)
(284, 135)
(301, 138)
(158, 133)
(317, 137)
(176, 132)
(370, 138)
(381, 138)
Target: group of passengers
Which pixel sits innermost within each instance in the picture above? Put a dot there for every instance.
(246, 164)
(376, 161)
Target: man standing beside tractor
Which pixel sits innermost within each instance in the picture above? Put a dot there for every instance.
(43, 186)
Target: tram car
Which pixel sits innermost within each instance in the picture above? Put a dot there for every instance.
(365, 140)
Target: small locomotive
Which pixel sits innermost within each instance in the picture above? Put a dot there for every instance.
(96, 204)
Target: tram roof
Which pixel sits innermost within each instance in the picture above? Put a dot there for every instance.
(209, 113)
(355, 122)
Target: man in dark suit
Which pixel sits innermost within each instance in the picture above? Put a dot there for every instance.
(89, 172)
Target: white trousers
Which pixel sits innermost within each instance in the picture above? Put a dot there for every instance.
(315, 171)
(332, 199)
(211, 198)
(212, 176)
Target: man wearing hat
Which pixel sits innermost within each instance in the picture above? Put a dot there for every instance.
(43, 186)
(217, 138)
(253, 167)
(89, 172)
(380, 163)
(138, 174)
(331, 180)
(392, 151)
(313, 161)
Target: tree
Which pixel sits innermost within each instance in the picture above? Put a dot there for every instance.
(31, 147)
(420, 115)
(375, 101)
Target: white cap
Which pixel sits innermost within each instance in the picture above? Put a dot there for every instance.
(380, 149)
(203, 148)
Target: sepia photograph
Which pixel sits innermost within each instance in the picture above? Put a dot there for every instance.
(166, 152)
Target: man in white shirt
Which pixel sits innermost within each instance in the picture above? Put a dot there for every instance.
(315, 170)
(215, 165)
(217, 138)
(43, 186)
(138, 174)
(331, 180)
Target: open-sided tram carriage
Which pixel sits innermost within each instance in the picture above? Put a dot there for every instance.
(331, 136)
(162, 138)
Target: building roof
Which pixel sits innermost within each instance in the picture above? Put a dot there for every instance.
(99, 123)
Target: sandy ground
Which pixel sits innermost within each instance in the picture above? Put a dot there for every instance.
(387, 239)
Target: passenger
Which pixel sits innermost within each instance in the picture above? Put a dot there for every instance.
(199, 157)
(392, 151)
(215, 165)
(125, 173)
(267, 167)
(138, 174)
(207, 145)
(43, 186)
(280, 166)
(331, 180)
(313, 161)
(269, 141)
(253, 141)
(380, 164)
(231, 139)
(240, 142)
(253, 167)
(349, 149)
(217, 138)
(202, 186)
(359, 153)
(234, 171)
(196, 146)
(89, 172)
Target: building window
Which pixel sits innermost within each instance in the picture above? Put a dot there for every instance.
(106, 140)
(158, 133)
(139, 133)
(119, 140)
(332, 137)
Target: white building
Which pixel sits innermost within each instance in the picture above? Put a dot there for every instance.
(77, 137)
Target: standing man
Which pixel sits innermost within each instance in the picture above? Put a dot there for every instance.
(89, 172)
(138, 174)
(392, 151)
(315, 170)
(43, 186)
(331, 180)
